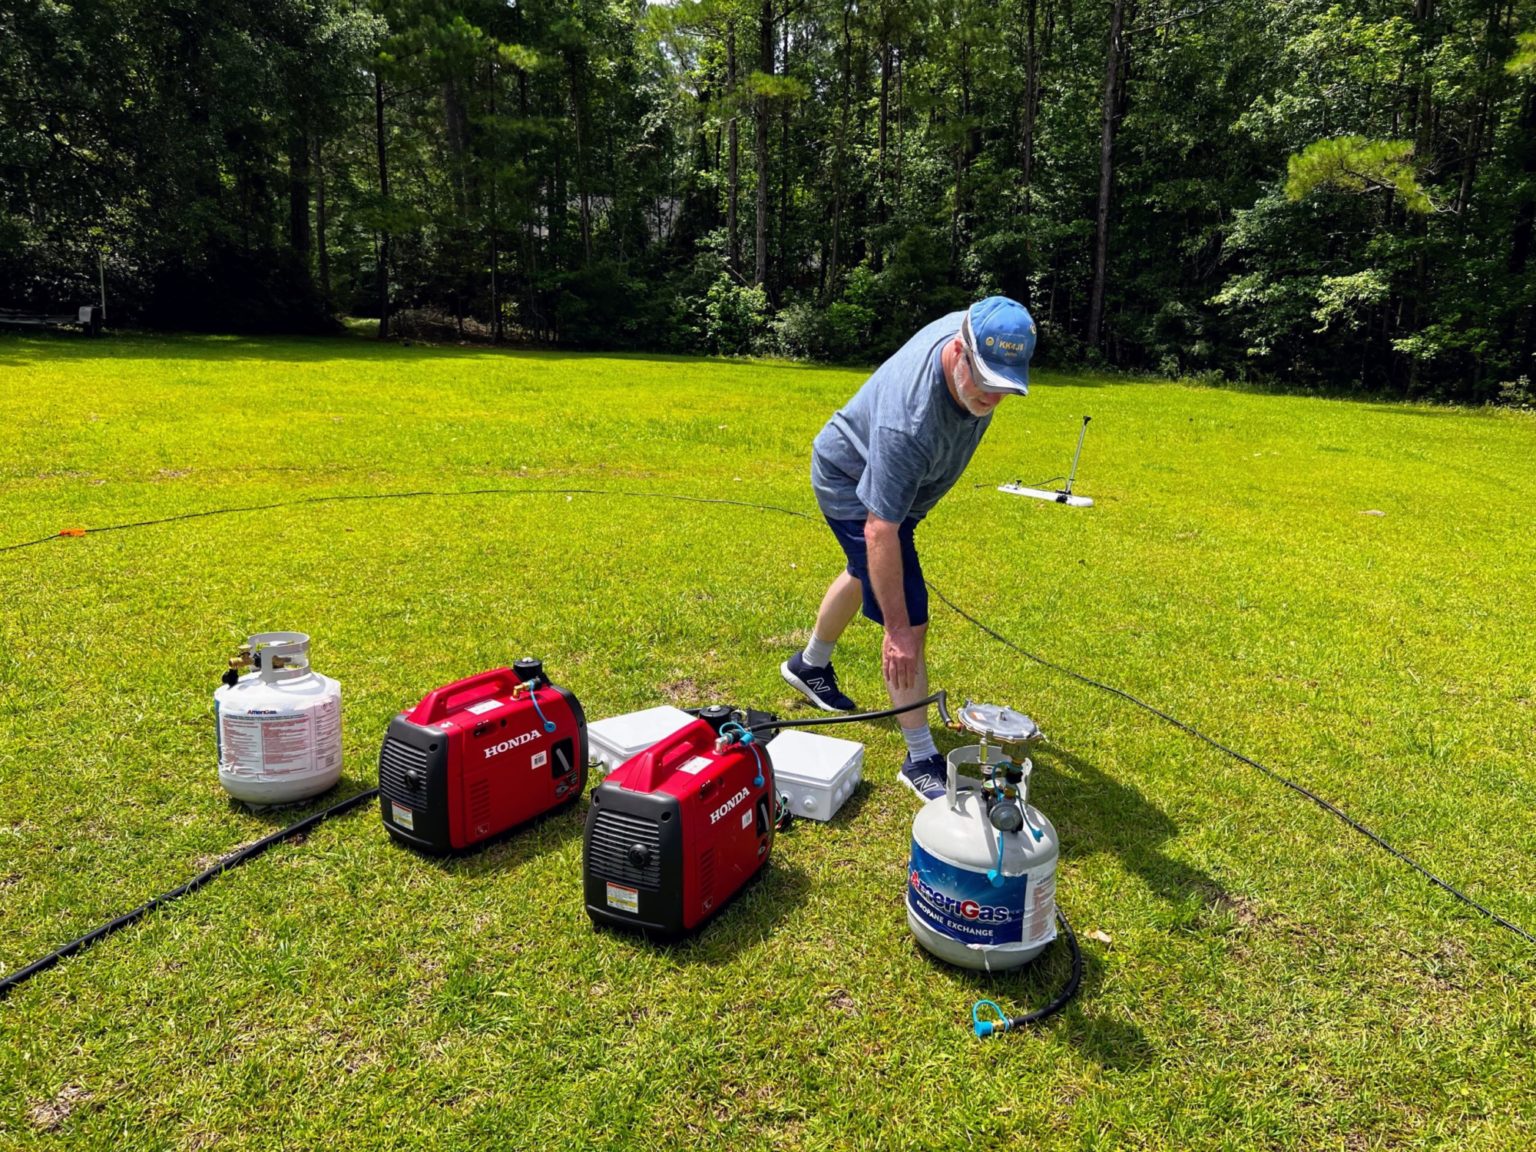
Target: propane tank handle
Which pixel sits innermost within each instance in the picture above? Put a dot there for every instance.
(451, 697)
(277, 655)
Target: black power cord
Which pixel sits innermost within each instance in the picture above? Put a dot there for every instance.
(1325, 805)
(233, 860)
(1005, 1023)
(260, 846)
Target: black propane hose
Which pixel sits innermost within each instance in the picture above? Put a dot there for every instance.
(1006, 1023)
(938, 698)
(234, 860)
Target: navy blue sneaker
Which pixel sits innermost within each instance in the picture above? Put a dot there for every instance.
(926, 777)
(818, 685)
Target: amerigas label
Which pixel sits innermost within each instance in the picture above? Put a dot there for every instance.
(962, 904)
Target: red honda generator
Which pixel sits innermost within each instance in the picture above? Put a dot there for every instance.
(481, 756)
(676, 831)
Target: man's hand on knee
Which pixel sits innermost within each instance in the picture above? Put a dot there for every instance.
(901, 656)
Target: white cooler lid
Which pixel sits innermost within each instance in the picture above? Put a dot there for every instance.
(798, 755)
(634, 732)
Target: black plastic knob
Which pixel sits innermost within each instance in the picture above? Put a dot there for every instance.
(530, 669)
(639, 856)
(716, 715)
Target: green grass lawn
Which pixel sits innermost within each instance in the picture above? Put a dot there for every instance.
(1341, 590)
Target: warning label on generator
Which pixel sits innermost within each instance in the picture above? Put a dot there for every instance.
(404, 817)
(624, 899)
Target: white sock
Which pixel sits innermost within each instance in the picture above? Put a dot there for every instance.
(818, 653)
(920, 743)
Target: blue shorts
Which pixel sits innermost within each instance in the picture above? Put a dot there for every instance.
(850, 534)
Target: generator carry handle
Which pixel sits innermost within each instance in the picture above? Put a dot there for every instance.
(650, 768)
(472, 689)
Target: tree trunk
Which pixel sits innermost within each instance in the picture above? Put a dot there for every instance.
(378, 121)
(900, 72)
(1031, 103)
(765, 64)
(733, 176)
(456, 129)
(582, 192)
(299, 180)
(1520, 239)
(829, 267)
(882, 201)
(321, 250)
(1106, 172)
(782, 236)
(495, 213)
(962, 157)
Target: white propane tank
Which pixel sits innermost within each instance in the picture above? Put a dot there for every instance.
(979, 897)
(279, 727)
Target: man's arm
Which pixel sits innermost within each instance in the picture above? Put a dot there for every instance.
(899, 652)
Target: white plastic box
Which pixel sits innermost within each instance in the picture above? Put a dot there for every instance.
(615, 740)
(817, 773)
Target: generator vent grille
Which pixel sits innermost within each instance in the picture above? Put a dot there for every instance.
(614, 834)
(480, 802)
(707, 877)
(395, 759)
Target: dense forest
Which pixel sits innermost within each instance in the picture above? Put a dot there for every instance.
(1315, 193)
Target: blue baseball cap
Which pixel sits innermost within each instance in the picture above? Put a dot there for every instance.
(999, 333)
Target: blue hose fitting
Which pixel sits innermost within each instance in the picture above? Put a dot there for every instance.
(985, 1028)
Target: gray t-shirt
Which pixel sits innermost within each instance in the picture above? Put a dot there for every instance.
(902, 441)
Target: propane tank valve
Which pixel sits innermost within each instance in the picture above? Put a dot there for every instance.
(1006, 816)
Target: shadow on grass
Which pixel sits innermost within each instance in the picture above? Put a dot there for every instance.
(1094, 812)
(143, 345)
(504, 851)
(282, 815)
(771, 897)
(1110, 1043)
(511, 849)
(1408, 409)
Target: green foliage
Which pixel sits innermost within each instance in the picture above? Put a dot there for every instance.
(1523, 62)
(1355, 164)
(735, 317)
(1343, 299)
(1518, 393)
(562, 171)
